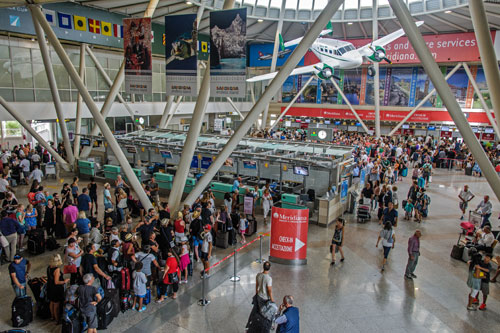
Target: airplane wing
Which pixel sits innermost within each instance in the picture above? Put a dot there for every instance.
(367, 51)
(316, 68)
(297, 40)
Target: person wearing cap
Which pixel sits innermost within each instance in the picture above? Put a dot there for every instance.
(206, 249)
(19, 270)
(147, 258)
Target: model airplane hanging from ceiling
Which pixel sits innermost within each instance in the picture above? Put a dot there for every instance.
(338, 54)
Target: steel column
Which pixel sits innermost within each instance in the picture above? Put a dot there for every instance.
(228, 4)
(98, 118)
(292, 102)
(432, 70)
(487, 52)
(47, 63)
(422, 102)
(235, 108)
(349, 104)
(301, 49)
(376, 78)
(34, 133)
(171, 116)
(166, 112)
(79, 102)
(481, 99)
(190, 144)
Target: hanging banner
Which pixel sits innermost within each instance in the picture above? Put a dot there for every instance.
(341, 86)
(318, 92)
(387, 86)
(299, 86)
(138, 65)
(228, 30)
(439, 101)
(413, 86)
(470, 89)
(289, 229)
(203, 47)
(181, 43)
(362, 96)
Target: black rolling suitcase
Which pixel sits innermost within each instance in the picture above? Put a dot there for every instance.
(105, 313)
(22, 311)
(36, 241)
(458, 250)
(222, 239)
(111, 213)
(231, 237)
(468, 171)
(71, 320)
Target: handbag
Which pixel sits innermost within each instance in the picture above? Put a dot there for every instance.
(479, 274)
(173, 277)
(69, 269)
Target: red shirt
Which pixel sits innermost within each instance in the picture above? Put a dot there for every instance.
(172, 267)
(179, 228)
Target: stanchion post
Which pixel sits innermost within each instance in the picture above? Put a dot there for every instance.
(259, 260)
(203, 301)
(235, 278)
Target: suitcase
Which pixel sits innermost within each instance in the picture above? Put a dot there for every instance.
(43, 309)
(51, 244)
(114, 295)
(363, 213)
(231, 237)
(457, 252)
(112, 215)
(222, 239)
(404, 173)
(252, 226)
(125, 279)
(468, 171)
(22, 311)
(125, 301)
(36, 241)
(465, 254)
(147, 298)
(36, 285)
(105, 313)
(71, 320)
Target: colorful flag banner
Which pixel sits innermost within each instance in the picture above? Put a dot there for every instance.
(118, 30)
(228, 53)
(203, 47)
(50, 16)
(64, 21)
(470, 89)
(106, 28)
(138, 62)
(94, 26)
(181, 43)
(80, 23)
(362, 93)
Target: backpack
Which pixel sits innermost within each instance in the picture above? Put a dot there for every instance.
(31, 198)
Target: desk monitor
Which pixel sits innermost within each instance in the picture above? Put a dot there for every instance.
(301, 170)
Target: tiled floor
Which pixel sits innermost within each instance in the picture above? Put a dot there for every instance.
(353, 296)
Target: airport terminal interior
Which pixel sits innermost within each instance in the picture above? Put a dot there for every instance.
(249, 166)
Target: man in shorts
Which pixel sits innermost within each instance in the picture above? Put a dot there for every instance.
(465, 196)
(485, 282)
(206, 250)
(88, 297)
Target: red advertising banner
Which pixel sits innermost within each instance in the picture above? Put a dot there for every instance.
(446, 134)
(470, 89)
(423, 116)
(488, 137)
(362, 96)
(443, 47)
(289, 236)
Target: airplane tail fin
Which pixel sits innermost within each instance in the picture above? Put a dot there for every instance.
(260, 54)
(282, 43)
(330, 27)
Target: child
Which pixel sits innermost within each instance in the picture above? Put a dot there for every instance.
(30, 217)
(184, 258)
(421, 180)
(140, 281)
(408, 209)
(243, 227)
(20, 216)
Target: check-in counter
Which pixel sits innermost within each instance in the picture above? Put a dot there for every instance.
(219, 189)
(111, 171)
(86, 168)
(164, 180)
(243, 191)
(139, 173)
(330, 208)
(190, 183)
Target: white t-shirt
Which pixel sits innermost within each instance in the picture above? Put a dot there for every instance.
(3, 185)
(264, 280)
(386, 236)
(35, 158)
(466, 196)
(25, 164)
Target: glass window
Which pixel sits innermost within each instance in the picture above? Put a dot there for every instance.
(320, 4)
(64, 95)
(156, 67)
(12, 128)
(157, 97)
(43, 96)
(113, 63)
(321, 49)
(36, 56)
(148, 97)
(5, 73)
(91, 78)
(112, 73)
(120, 123)
(305, 4)
(4, 52)
(350, 4)
(62, 77)
(291, 4)
(102, 60)
(24, 95)
(7, 94)
(21, 67)
(249, 2)
(366, 3)
(276, 3)
(111, 123)
(40, 76)
(88, 62)
(157, 82)
(263, 3)
(331, 52)
(101, 83)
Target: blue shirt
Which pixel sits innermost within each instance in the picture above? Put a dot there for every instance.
(390, 216)
(289, 321)
(19, 269)
(83, 202)
(9, 226)
(106, 195)
(236, 185)
(83, 226)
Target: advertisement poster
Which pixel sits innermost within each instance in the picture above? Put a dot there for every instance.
(483, 88)
(459, 83)
(248, 205)
(362, 93)
(400, 86)
(195, 163)
(138, 64)
(352, 85)
(423, 88)
(290, 88)
(206, 162)
(289, 229)
(439, 101)
(413, 86)
(343, 190)
(181, 43)
(387, 86)
(341, 86)
(470, 89)
(369, 99)
(228, 30)
(311, 91)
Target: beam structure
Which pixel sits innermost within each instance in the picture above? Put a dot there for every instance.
(376, 78)
(184, 165)
(49, 70)
(98, 118)
(166, 111)
(235, 108)
(481, 99)
(79, 102)
(301, 49)
(335, 84)
(20, 119)
(487, 53)
(422, 102)
(453, 25)
(282, 114)
(431, 68)
(171, 116)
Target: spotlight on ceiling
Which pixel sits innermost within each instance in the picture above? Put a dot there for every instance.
(447, 11)
(260, 20)
(349, 23)
(189, 3)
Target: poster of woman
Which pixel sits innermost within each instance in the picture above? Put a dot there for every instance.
(138, 63)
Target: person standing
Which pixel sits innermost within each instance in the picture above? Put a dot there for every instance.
(108, 204)
(484, 208)
(206, 249)
(85, 202)
(338, 240)
(55, 286)
(485, 281)
(19, 270)
(263, 292)
(465, 196)
(92, 186)
(154, 191)
(413, 254)
(88, 297)
(388, 241)
(9, 228)
(289, 320)
(389, 215)
(267, 203)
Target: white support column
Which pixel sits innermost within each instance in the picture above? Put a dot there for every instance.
(151, 8)
(166, 111)
(34, 133)
(481, 99)
(235, 108)
(292, 102)
(98, 118)
(349, 104)
(376, 78)
(301, 49)
(109, 82)
(487, 52)
(228, 4)
(422, 102)
(174, 109)
(431, 68)
(79, 102)
(47, 63)
(184, 165)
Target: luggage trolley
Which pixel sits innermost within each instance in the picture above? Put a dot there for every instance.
(363, 213)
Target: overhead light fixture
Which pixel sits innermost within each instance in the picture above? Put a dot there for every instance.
(447, 11)
(189, 3)
(349, 23)
(260, 20)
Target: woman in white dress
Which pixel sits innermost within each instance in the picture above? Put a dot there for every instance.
(267, 203)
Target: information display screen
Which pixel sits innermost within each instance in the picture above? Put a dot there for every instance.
(301, 170)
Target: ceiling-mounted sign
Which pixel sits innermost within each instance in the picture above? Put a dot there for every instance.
(131, 149)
